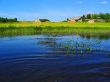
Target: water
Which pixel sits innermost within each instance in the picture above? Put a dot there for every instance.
(54, 58)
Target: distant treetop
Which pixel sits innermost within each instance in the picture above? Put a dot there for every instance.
(102, 16)
(44, 20)
(4, 20)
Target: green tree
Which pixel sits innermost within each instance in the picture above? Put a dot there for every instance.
(95, 16)
(4, 20)
(83, 18)
(44, 20)
(88, 16)
(107, 17)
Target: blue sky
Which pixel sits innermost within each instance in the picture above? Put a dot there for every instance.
(54, 10)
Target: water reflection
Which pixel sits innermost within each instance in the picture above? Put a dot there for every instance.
(74, 44)
(12, 31)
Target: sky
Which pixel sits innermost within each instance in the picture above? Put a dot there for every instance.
(55, 10)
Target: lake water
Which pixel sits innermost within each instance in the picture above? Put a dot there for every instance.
(54, 58)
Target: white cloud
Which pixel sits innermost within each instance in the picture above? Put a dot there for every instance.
(104, 2)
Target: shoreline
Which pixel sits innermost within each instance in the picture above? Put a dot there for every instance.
(55, 28)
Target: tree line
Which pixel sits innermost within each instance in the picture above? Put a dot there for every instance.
(5, 20)
(103, 16)
(44, 20)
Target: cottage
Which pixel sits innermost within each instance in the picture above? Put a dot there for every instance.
(74, 19)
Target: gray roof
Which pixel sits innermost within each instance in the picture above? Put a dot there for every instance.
(76, 18)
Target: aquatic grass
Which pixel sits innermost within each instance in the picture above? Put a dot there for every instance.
(78, 48)
(88, 49)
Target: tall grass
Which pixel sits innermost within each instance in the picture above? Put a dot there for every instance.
(55, 24)
(55, 28)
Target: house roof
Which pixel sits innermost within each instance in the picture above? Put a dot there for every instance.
(76, 18)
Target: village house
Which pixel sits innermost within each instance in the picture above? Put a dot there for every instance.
(74, 19)
(80, 18)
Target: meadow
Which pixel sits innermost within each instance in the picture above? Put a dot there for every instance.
(56, 24)
(99, 28)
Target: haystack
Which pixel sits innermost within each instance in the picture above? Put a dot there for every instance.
(72, 21)
(91, 21)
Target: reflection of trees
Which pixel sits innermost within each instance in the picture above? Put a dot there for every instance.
(72, 45)
(98, 36)
(51, 42)
(12, 31)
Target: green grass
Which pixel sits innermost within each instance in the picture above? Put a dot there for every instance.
(55, 24)
(55, 28)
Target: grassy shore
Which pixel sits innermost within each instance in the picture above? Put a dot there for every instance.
(55, 24)
(55, 27)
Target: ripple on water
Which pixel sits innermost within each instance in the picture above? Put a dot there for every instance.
(45, 59)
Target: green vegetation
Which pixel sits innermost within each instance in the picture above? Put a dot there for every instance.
(5, 20)
(44, 20)
(81, 25)
(99, 17)
(74, 47)
(55, 28)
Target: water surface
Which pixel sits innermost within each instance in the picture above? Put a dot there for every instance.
(54, 58)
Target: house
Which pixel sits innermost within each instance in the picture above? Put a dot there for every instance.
(74, 19)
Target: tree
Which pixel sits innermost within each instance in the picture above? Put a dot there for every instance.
(44, 20)
(4, 20)
(107, 17)
(95, 16)
(88, 16)
(83, 18)
(102, 16)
